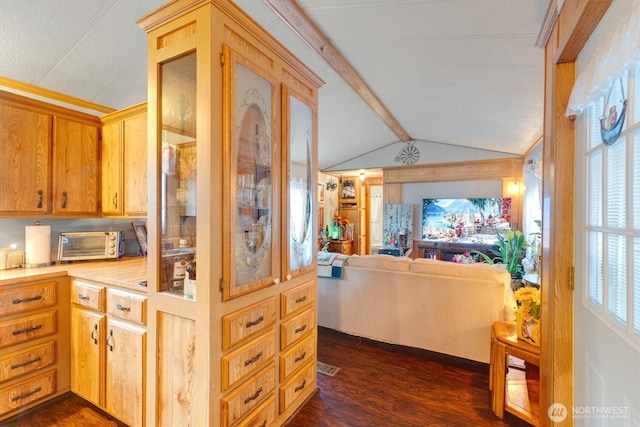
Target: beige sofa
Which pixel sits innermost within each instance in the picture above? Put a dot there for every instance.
(433, 305)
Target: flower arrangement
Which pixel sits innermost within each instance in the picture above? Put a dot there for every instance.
(340, 221)
(465, 258)
(390, 240)
(528, 314)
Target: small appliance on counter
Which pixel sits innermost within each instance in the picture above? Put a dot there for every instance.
(11, 258)
(90, 245)
(37, 245)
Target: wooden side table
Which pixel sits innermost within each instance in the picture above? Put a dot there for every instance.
(341, 246)
(519, 397)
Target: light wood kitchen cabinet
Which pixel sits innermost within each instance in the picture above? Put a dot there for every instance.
(51, 159)
(233, 118)
(76, 167)
(25, 143)
(124, 162)
(34, 343)
(108, 350)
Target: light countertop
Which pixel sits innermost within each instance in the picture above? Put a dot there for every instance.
(125, 273)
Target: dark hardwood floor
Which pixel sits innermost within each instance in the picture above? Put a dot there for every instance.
(381, 385)
(378, 385)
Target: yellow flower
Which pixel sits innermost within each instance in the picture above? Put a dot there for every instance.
(528, 299)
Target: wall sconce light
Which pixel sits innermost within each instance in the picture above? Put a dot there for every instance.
(362, 177)
(514, 188)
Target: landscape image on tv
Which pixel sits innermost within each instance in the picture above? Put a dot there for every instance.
(476, 218)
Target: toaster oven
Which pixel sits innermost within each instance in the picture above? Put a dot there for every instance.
(90, 245)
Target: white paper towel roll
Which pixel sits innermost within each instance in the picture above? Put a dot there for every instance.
(37, 245)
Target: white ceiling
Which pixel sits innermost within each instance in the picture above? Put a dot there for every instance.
(456, 72)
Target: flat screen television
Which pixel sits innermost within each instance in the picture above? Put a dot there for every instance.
(475, 220)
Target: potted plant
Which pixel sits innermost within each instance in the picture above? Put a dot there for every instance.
(512, 248)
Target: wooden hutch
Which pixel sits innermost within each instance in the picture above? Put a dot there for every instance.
(232, 161)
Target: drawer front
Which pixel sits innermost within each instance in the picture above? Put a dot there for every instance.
(295, 387)
(297, 356)
(297, 298)
(26, 328)
(240, 402)
(27, 391)
(88, 295)
(263, 416)
(25, 298)
(247, 322)
(127, 306)
(297, 327)
(248, 359)
(27, 360)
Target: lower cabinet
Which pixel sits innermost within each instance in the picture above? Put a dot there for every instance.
(34, 355)
(108, 349)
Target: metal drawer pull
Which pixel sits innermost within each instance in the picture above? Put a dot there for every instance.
(254, 397)
(253, 360)
(39, 206)
(301, 357)
(27, 363)
(301, 299)
(18, 300)
(24, 396)
(64, 200)
(109, 338)
(255, 322)
(93, 336)
(301, 328)
(83, 298)
(115, 201)
(27, 330)
(123, 307)
(300, 387)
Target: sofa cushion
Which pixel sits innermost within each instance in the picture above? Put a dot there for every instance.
(444, 268)
(380, 262)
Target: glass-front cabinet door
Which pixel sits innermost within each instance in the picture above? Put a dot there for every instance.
(177, 177)
(253, 174)
(298, 136)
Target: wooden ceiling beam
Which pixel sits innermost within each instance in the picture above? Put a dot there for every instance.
(291, 12)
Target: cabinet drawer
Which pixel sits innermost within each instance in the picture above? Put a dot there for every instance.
(297, 327)
(242, 324)
(27, 328)
(298, 355)
(27, 391)
(27, 298)
(127, 306)
(88, 295)
(297, 298)
(296, 386)
(247, 359)
(237, 404)
(263, 416)
(27, 360)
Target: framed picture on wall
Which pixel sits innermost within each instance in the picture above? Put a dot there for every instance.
(348, 189)
(320, 193)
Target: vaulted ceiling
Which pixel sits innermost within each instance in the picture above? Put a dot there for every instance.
(465, 75)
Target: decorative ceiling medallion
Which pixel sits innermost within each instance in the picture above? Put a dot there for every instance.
(409, 154)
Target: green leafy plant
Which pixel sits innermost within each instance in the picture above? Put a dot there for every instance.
(512, 248)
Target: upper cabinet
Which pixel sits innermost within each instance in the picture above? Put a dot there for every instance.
(124, 162)
(51, 159)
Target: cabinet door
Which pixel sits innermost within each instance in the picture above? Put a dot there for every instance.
(135, 165)
(75, 167)
(25, 166)
(252, 177)
(87, 353)
(112, 183)
(125, 367)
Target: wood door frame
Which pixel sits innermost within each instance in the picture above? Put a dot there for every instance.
(571, 29)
